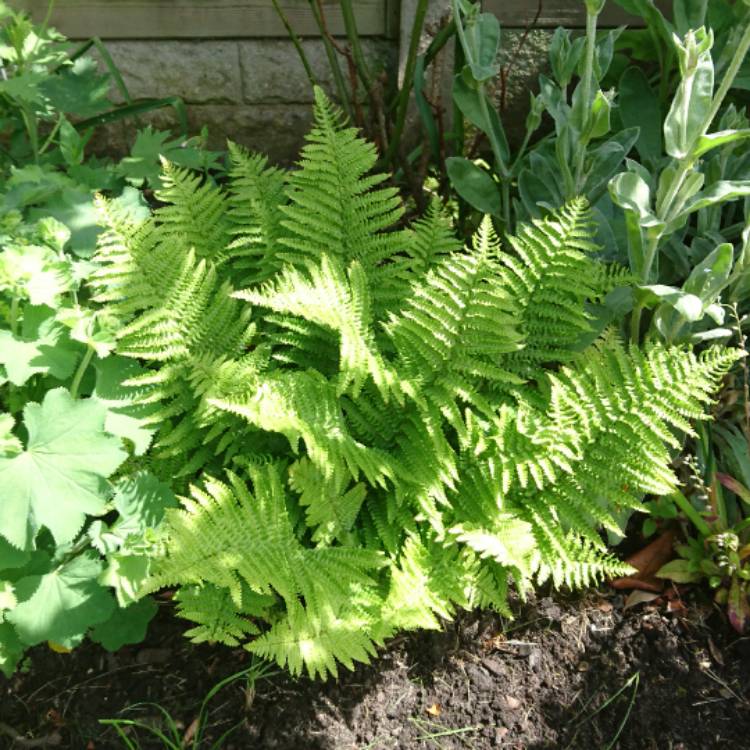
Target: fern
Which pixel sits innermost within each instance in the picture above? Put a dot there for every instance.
(407, 427)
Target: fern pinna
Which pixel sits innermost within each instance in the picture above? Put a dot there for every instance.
(380, 426)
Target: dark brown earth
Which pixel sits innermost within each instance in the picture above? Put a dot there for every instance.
(567, 673)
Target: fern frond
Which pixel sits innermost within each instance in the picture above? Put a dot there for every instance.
(255, 200)
(226, 536)
(335, 206)
(457, 325)
(194, 215)
(303, 406)
(317, 641)
(550, 277)
(216, 615)
(328, 296)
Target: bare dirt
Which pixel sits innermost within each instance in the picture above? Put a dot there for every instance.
(567, 673)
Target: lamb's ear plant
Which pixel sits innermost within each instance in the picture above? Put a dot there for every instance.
(577, 159)
(373, 426)
(686, 194)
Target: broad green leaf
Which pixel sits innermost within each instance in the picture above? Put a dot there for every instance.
(43, 348)
(11, 649)
(75, 208)
(126, 574)
(126, 625)
(125, 417)
(606, 159)
(639, 107)
(689, 14)
(474, 185)
(483, 45)
(719, 192)
(714, 140)
(679, 571)
(467, 99)
(691, 104)
(23, 87)
(647, 10)
(629, 191)
(78, 89)
(61, 605)
(689, 306)
(35, 273)
(10, 445)
(60, 477)
(141, 500)
(10, 557)
(8, 598)
(711, 275)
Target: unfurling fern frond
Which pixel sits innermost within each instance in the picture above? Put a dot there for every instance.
(423, 426)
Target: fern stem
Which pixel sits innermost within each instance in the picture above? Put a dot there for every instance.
(81, 371)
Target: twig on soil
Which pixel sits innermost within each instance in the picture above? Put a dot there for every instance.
(50, 740)
(723, 684)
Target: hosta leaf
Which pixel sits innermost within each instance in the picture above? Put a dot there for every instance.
(61, 605)
(59, 478)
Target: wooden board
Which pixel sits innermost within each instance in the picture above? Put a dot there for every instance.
(175, 19)
(570, 13)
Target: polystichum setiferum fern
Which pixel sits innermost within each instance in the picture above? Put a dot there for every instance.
(389, 426)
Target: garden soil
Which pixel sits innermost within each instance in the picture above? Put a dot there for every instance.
(583, 672)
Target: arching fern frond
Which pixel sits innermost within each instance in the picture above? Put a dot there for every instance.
(335, 204)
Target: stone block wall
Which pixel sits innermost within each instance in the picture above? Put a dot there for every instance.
(254, 91)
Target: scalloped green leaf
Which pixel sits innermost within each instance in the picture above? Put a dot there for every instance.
(60, 477)
(61, 605)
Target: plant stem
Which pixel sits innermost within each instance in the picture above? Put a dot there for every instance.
(588, 76)
(687, 508)
(53, 133)
(296, 42)
(403, 96)
(14, 315)
(85, 362)
(728, 79)
(333, 62)
(352, 34)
